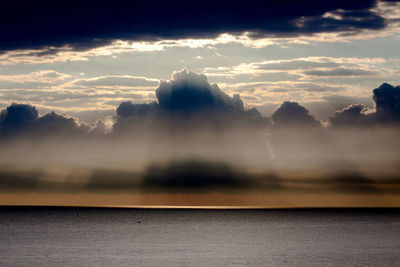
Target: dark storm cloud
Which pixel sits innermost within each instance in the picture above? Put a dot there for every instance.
(24, 120)
(86, 24)
(188, 99)
(291, 114)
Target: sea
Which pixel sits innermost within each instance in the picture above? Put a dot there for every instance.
(70, 236)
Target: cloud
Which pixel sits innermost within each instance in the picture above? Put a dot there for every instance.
(188, 92)
(100, 128)
(38, 79)
(93, 115)
(113, 81)
(55, 124)
(339, 69)
(340, 72)
(17, 117)
(325, 107)
(24, 120)
(352, 116)
(173, 130)
(387, 109)
(127, 109)
(298, 141)
(36, 25)
(186, 99)
(295, 64)
(387, 103)
(291, 114)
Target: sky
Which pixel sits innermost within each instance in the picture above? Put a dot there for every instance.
(83, 59)
(242, 102)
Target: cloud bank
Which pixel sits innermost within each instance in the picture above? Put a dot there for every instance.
(192, 125)
(188, 101)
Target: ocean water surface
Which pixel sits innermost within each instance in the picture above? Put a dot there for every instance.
(40, 236)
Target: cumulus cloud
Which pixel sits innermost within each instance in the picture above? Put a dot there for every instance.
(53, 123)
(292, 114)
(128, 109)
(387, 102)
(186, 99)
(188, 92)
(18, 116)
(24, 120)
(387, 109)
(353, 115)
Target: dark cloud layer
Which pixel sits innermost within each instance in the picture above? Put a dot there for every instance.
(86, 24)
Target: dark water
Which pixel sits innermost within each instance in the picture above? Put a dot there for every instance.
(132, 237)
